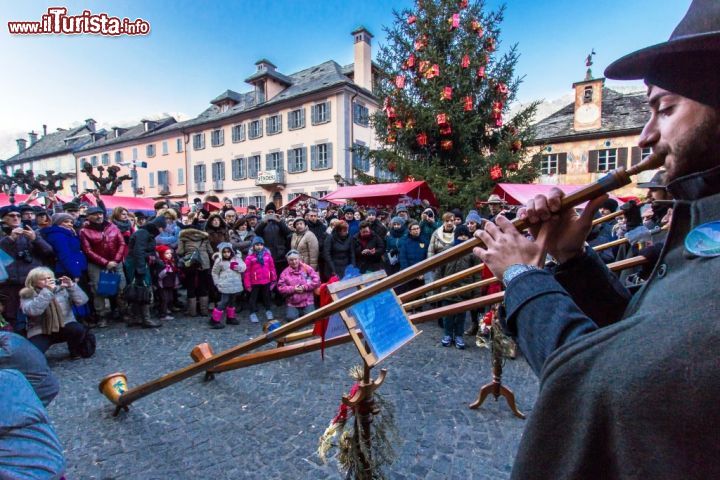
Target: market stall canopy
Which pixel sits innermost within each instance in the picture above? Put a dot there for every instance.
(133, 204)
(19, 198)
(520, 193)
(383, 193)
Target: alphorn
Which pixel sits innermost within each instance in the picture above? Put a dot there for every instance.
(123, 397)
(286, 351)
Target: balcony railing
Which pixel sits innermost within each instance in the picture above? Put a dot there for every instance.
(199, 187)
(218, 185)
(164, 189)
(270, 177)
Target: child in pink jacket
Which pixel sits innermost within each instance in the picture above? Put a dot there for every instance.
(260, 277)
(297, 283)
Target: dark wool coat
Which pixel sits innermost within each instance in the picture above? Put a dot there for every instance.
(338, 253)
(412, 250)
(142, 247)
(372, 262)
(216, 235)
(276, 235)
(19, 268)
(625, 392)
(190, 240)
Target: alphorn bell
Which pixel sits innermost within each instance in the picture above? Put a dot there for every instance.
(611, 181)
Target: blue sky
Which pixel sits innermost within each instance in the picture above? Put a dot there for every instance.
(198, 49)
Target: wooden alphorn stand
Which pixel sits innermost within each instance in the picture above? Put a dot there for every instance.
(496, 388)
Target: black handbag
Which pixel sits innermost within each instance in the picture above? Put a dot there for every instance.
(137, 294)
(191, 260)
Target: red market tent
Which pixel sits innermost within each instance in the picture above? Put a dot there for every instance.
(133, 204)
(383, 193)
(19, 198)
(520, 193)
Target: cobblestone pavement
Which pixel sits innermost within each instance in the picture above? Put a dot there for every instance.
(264, 421)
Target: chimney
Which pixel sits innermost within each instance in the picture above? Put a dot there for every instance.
(22, 144)
(44, 130)
(90, 124)
(588, 104)
(33, 138)
(362, 69)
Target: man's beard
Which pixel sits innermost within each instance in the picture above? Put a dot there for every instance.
(697, 152)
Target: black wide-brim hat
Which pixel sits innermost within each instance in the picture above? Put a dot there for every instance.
(687, 64)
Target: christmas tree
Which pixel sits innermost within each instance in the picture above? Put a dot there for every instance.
(445, 92)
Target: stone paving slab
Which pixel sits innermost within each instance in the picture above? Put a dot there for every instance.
(264, 421)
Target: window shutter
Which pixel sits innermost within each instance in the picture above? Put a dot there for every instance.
(302, 118)
(593, 161)
(622, 157)
(222, 170)
(329, 151)
(279, 123)
(313, 156)
(562, 163)
(635, 156)
(327, 110)
(267, 124)
(303, 152)
(281, 163)
(222, 140)
(267, 161)
(234, 166)
(291, 161)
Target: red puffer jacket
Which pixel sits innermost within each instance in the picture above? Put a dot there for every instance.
(102, 246)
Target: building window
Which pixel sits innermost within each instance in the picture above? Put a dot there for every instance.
(359, 160)
(93, 160)
(361, 114)
(274, 161)
(150, 150)
(198, 141)
(134, 151)
(105, 159)
(321, 113)
(645, 152)
(199, 171)
(607, 160)
(118, 157)
(238, 133)
(151, 179)
(588, 94)
(549, 164)
(321, 156)
(274, 124)
(181, 176)
(239, 168)
(258, 201)
(297, 160)
(320, 193)
(254, 166)
(218, 170)
(179, 145)
(164, 148)
(163, 178)
(256, 129)
(83, 161)
(217, 137)
(296, 119)
(240, 202)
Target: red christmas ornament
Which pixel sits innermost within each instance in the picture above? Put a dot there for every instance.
(409, 124)
(496, 172)
(516, 146)
(421, 43)
(391, 167)
(411, 19)
(433, 71)
(422, 139)
(490, 45)
(454, 21)
(423, 66)
(468, 104)
(502, 89)
(392, 137)
(446, 130)
(446, 93)
(497, 108)
(400, 81)
(398, 124)
(446, 144)
(391, 112)
(442, 119)
(481, 72)
(463, 4)
(512, 166)
(499, 122)
(465, 61)
(476, 27)
(410, 62)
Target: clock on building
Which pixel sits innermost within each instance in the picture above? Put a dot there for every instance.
(587, 113)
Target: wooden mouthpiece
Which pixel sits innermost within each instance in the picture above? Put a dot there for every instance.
(651, 162)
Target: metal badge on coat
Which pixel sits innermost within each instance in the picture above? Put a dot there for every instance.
(704, 241)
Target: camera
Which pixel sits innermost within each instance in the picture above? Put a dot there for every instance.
(25, 256)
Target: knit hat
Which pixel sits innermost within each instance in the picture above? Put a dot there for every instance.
(71, 207)
(296, 220)
(372, 212)
(610, 204)
(7, 209)
(223, 245)
(457, 212)
(161, 249)
(270, 207)
(473, 216)
(58, 218)
(140, 215)
(24, 207)
(429, 212)
(462, 230)
(292, 253)
(348, 209)
(401, 208)
(257, 240)
(399, 220)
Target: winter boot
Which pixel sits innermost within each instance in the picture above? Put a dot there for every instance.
(203, 306)
(192, 307)
(474, 327)
(216, 319)
(147, 321)
(231, 318)
(135, 316)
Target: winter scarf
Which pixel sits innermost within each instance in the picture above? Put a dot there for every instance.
(124, 226)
